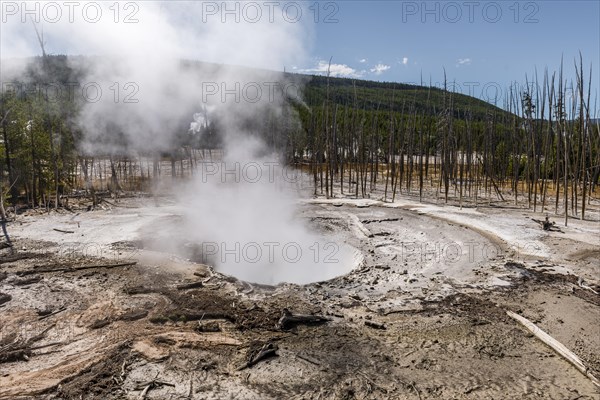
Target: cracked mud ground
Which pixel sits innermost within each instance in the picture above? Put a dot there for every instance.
(74, 326)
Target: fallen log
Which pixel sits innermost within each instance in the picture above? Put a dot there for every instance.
(133, 315)
(289, 320)
(555, 345)
(370, 221)
(192, 285)
(548, 225)
(43, 346)
(27, 281)
(125, 264)
(189, 315)
(375, 325)
(62, 230)
(48, 315)
(72, 269)
(19, 256)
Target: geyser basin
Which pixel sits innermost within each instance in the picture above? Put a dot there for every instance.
(298, 256)
(278, 262)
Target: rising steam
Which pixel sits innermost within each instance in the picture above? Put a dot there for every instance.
(142, 91)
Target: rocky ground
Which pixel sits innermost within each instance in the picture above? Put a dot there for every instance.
(92, 309)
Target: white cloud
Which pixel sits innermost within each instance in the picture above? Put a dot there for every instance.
(463, 61)
(336, 70)
(380, 68)
(404, 60)
(362, 60)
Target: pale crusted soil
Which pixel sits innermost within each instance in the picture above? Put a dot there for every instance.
(412, 321)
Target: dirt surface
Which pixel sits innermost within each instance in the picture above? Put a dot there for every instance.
(102, 313)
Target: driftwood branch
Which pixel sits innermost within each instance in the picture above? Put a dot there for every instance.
(266, 351)
(147, 386)
(582, 284)
(555, 345)
(52, 313)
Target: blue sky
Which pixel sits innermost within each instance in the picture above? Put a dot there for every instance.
(480, 44)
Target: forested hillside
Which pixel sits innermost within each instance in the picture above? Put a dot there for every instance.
(359, 133)
(385, 96)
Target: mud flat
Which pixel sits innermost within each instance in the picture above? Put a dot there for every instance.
(94, 307)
